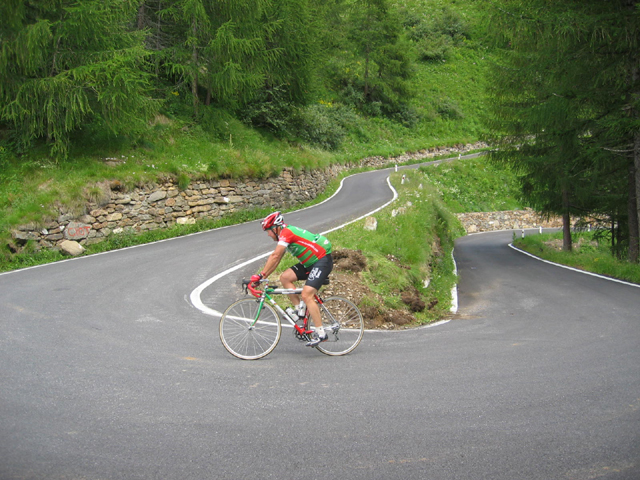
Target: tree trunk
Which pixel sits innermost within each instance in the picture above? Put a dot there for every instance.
(158, 33)
(566, 222)
(635, 74)
(366, 75)
(141, 15)
(194, 80)
(636, 177)
(633, 217)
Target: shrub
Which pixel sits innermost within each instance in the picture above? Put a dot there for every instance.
(317, 125)
(433, 48)
(436, 36)
(270, 109)
(448, 109)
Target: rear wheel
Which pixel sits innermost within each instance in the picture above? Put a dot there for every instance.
(245, 339)
(343, 323)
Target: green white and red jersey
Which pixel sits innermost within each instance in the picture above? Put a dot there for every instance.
(306, 246)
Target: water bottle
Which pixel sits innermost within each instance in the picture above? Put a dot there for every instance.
(301, 309)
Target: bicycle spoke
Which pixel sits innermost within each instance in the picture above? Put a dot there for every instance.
(245, 339)
(343, 323)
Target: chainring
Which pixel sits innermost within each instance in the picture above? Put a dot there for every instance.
(303, 337)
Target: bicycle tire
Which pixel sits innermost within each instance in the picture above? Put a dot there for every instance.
(348, 316)
(246, 342)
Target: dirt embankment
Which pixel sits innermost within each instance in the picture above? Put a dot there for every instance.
(346, 282)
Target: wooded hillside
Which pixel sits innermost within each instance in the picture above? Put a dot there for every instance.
(297, 68)
(220, 89)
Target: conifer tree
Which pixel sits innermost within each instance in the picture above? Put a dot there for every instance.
(218, 48)
(370, 30)
(296, 43)
(374, 31)
(65, 64)
(563, 106)
(239, 55)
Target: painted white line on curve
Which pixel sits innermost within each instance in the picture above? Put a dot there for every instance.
(575, 269)
(196, 301)
(454, 289)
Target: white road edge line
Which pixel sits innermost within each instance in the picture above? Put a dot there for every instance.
(108, 252)
(196, 301)
(146, 244)
(454, 289)
(575, 269)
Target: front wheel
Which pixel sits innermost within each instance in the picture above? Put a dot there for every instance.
(343, 322)
(243, 336)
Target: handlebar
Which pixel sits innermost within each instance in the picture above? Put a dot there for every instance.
(249, 287)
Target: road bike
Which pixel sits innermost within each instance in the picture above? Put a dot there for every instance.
(251, 327)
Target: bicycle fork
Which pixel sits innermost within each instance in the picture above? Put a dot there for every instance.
(258, 312)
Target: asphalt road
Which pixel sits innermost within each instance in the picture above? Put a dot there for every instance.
(107, 371)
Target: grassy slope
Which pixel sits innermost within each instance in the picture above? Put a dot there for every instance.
(415, 235)
(33, 187)
(412, 244)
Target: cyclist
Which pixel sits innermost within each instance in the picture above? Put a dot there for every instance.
(314, 253)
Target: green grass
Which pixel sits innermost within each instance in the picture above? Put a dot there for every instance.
(589, 254)
(412, 243)
(478, 186)
(474, 185)
(448, 104)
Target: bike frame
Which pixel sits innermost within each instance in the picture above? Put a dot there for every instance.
(247, 332)
(265, 296)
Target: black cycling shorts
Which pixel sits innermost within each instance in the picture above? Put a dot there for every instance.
(316, 274)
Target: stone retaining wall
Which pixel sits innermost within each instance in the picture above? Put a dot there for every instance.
(163, 205)
(159, 206)
(516, 219)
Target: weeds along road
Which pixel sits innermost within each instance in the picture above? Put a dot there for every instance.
(109, 372)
